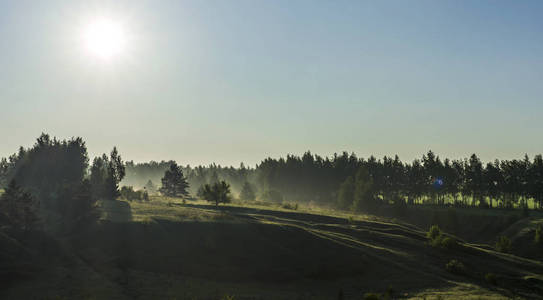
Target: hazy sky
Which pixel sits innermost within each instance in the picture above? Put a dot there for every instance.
(231, 81)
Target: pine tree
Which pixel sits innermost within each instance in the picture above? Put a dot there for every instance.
(174, 184)
(116, 173)
(218, 192)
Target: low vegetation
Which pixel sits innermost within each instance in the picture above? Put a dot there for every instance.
(455, 267)
(128, 193)
(503, 244)
(438, 239)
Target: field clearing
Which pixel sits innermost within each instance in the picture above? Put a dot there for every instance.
(174, 208)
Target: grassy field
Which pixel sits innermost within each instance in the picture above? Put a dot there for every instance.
(166, 249)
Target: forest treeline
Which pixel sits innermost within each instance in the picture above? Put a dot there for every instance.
(334, 181)
(55, 172)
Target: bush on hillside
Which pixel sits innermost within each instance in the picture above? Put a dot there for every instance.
(448, 242)
(434, 232)
(455, 267)
(503, 244)
(438, 239)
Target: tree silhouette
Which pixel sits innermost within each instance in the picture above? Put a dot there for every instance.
(218, 192)
(174, 184)
(106, 174)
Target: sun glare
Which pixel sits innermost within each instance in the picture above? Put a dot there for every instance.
(104, 38)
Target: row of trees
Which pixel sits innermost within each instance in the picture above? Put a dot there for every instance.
(147, 174)
(54, 172)
(429, 180)
(174, 184)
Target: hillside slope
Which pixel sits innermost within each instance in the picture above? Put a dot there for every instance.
(166, 250)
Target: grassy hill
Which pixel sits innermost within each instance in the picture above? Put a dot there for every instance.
(165, 249)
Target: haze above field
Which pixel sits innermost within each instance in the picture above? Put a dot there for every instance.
(238, 81)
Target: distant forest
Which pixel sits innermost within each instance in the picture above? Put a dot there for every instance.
(333, 181)
(342, 181)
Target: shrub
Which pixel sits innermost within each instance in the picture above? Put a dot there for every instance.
(438, 239)
(448, 242)
(128, 193)
(434, 232)
(503, 244)
(455, 267)
(538, 238)
(491, 278)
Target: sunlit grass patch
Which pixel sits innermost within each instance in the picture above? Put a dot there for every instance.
(173, 209)
(460, 290)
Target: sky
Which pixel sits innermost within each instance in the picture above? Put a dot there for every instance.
(232, 81)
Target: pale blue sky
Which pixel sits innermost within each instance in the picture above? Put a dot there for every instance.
(231, 81)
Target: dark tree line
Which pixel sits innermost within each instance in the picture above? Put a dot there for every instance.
(139, 175)
(55, 175)
(428, 180)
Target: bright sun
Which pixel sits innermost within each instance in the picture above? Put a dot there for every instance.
(104, 38)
